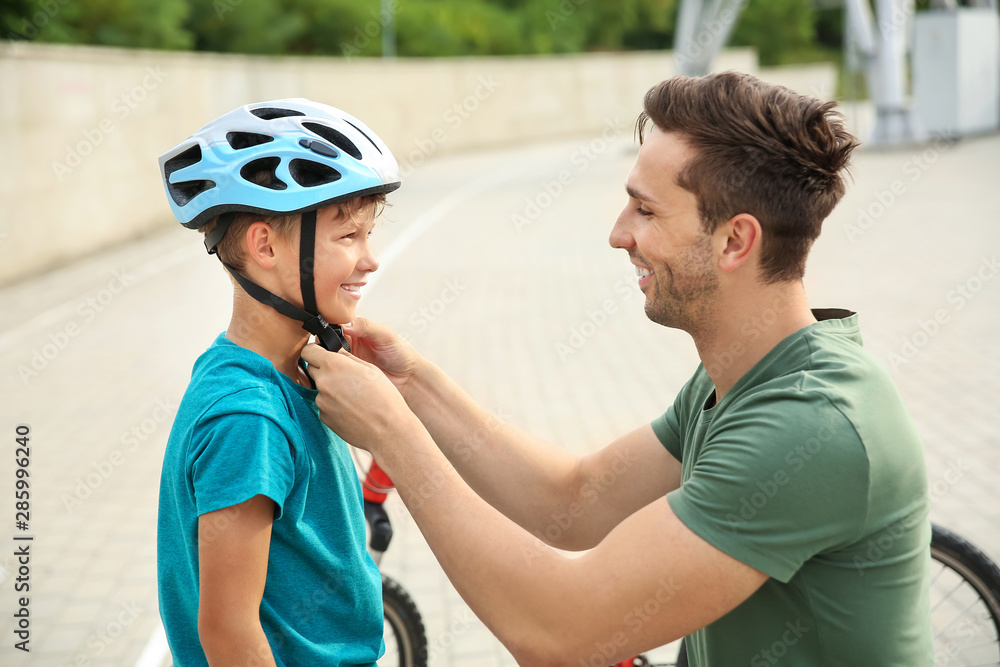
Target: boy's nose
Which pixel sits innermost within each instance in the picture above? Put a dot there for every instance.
(368, 262)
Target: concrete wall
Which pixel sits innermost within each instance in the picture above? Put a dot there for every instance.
(82, 127)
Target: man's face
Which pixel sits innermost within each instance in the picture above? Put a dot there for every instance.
(662, 232)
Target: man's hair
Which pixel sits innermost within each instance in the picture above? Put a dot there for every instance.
(760, 149)
(230, 248)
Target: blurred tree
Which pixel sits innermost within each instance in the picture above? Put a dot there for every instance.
(774, 27)
(16, 19)
(779, 29)
(337, 27)
(155, 24)
(457, 27)
(829, 22)
(228, 26)
(654, 25)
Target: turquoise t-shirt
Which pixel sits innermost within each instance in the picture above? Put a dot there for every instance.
(810, 470)
(244, 429)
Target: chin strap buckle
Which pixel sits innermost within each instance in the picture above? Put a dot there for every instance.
(330, 336)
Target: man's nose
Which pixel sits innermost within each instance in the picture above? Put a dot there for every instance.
(620, 236)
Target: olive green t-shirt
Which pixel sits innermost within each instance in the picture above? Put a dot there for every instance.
(810, 470)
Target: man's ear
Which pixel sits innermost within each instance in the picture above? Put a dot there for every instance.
(260, 238)
(743, 237)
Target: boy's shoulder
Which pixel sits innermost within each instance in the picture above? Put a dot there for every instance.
(229, 379)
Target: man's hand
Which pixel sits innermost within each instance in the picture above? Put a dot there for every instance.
(357, 400)
(379, 345)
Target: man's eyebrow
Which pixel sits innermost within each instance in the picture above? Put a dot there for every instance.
(635, 194)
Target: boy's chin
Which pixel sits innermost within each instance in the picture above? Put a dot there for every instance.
(338, 315)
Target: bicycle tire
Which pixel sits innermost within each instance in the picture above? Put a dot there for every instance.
(403, 620)
(970, 568)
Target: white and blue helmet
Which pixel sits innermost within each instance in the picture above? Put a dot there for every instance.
(318, 155)
(314, 155)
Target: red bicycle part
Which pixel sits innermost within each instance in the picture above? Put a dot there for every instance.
(376, 484)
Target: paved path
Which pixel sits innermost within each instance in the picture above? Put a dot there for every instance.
(512, 288)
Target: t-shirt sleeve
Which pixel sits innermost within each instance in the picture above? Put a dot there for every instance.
(237, 454)
(669, 427)
(779, 479)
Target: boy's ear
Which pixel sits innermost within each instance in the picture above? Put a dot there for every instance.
(260, 239)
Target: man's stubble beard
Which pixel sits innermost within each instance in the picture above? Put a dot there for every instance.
(684, 297)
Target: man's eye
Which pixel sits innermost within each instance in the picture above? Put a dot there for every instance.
(643, 212)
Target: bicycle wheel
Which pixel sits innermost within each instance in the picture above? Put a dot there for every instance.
(403, 629)
(965, 602)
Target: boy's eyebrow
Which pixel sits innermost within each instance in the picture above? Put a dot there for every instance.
(354, 223)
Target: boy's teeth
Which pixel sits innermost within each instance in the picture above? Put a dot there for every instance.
(641, 272)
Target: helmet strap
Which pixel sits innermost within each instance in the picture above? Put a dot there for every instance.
(329, 336)
(214, 238)
(307, 260)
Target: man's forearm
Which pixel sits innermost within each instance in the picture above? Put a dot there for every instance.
(526, 478)
(484, 555)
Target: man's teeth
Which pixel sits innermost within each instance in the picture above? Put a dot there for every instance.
(641, 272)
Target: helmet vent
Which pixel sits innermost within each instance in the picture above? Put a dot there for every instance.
(364, 134)
(309, 174)
(186, 159)
(261, 172)
(335, 138)
(185, 191)
(240, 140)
(270, 113)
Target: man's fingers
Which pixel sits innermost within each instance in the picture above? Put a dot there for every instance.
(317, 356)
(313, 355)
(357, 327)
(362, 327)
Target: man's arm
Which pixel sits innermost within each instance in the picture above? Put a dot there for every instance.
(233, 548)
(650, 581)
(570, 501)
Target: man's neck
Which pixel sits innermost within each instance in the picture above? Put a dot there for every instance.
(747, 327)
(263, 330)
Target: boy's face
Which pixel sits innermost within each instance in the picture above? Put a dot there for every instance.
(343, 261)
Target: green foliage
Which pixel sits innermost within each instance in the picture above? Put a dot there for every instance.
(457, 27)
(243, 26)
(424, 28)
(774, 27)
(153, 24)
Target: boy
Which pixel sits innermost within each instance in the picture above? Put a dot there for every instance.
(261, 553)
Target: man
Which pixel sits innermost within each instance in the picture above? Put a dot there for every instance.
(777, 511)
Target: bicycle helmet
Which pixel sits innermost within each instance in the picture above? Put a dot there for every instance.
(316, 155)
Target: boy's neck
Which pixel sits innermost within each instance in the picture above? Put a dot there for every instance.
(273, 336)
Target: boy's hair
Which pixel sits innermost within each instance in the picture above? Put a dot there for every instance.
(760, 149)
(231, 248)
